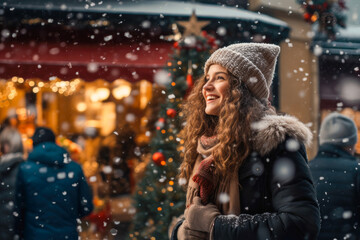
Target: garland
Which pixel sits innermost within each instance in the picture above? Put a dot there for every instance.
(328, 13)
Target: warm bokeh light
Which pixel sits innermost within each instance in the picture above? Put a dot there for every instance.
(81, 107)
(121, 89)
(102, 93)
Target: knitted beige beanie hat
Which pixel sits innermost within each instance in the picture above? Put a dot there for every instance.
(252, 63)
(339, 130)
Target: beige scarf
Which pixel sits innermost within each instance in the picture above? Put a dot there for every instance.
(226, 195)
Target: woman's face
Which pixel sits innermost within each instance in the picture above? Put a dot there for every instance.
(215, 89)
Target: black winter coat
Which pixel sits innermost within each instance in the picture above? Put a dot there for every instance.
(9, 165)
(277, 195)
(337, 179)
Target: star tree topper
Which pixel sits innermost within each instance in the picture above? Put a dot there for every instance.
(193, 26)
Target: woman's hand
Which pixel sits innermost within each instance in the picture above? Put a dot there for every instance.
(185, 233)
(201, 217)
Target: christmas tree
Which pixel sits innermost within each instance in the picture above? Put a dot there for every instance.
(159, 196)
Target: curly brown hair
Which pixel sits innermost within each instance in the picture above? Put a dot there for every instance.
(232, 127)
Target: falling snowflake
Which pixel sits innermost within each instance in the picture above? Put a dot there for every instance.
(43, 170)
(253, 80)
(318, 50)
(161, 77)
(92, 67)
(130, 117)
(347, 214)
(107, 169)
(5, 33)
(221, 31)
(171, 96)
(190, 41)
(50, 179)
(292, 145)
(137, 151)
(92, 179)
(224, 198)
(54, 51)
(131, 56)
(108, 38)
(257, 168)
(182, 181)
(284, 169)
(113, 231)
(146, 24)
(61, 175)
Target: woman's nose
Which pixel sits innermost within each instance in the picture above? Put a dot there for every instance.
(208, 85)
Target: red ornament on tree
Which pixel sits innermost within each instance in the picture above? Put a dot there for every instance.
(171, 112)
(189, 80)
(158, 158)
(189, 76)
(307, 16)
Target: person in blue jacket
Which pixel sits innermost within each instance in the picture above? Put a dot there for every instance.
(245, 167)
(336, 175)
(51, 192)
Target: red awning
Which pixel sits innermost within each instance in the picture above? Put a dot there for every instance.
(86, 61)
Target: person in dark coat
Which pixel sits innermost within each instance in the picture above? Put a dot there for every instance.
(52, 192)
(336, 174)
(245, 167)
(11, 156)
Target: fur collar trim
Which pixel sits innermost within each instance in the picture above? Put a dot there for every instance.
(272, 130)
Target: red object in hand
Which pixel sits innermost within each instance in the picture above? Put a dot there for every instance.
(204, 177)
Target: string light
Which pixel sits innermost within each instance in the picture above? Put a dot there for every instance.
(8, 88)
(7, 92)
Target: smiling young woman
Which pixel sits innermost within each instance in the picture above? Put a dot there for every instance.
(243, 181)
